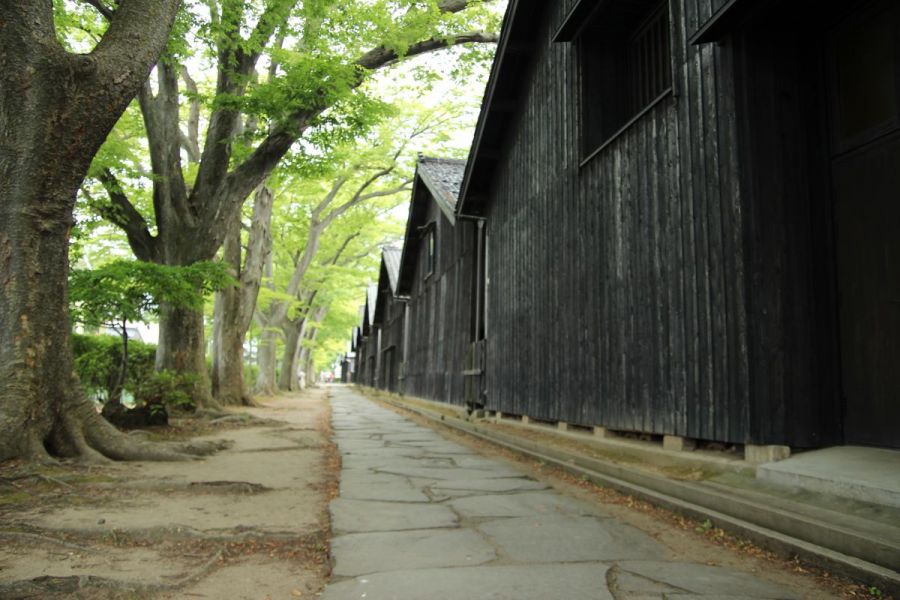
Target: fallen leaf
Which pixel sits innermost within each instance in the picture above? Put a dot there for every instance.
(296, 593)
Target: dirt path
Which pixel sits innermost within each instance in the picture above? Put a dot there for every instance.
(248, 523)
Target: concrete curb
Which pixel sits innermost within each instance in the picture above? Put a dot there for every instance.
(842, 550)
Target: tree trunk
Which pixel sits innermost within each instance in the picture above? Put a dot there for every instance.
(228, 336)
(55, 111)
(235, 305)
(182, 349)
(114, 399)
(303, 360)
(265, 360)
(293, 332)
(228, 351)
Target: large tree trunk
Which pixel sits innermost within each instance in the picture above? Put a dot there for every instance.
(303, 366)
(182, 348)
(266, 360)
(55, 111)
(305, 358)
(235, 305)
(293, 332)
(228, 351)
(228, 337)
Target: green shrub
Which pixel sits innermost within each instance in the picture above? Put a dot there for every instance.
(169, 389)
(98, 359)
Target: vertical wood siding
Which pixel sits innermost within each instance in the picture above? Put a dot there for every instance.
(391, 340)
(617, 288)
(440, 314)
(669, 285)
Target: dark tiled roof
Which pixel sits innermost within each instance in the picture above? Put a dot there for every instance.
(392, 263)
(443, 176)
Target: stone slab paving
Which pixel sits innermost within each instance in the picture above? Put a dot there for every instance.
(420, 517)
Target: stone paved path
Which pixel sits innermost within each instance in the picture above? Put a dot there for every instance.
(422, 518)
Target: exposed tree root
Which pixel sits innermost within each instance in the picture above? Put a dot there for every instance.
(36, 537)
(11, 480)
(39, 587)
(79, 432)
(242, 487)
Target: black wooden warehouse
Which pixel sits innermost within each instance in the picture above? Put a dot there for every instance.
(389, 318)
(436, 274)
(691, 211)
(370, 337)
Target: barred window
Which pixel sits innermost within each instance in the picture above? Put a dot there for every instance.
(625, 66)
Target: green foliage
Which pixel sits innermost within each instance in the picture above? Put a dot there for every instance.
(98, 359)
(308, 51)
(128, 290)
(78, 26)
(251, 372)
(168, 388)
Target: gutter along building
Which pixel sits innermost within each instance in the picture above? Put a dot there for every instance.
(677, 218)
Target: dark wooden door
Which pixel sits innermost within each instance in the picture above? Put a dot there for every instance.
(866, 184)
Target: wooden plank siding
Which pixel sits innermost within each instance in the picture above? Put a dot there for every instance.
(619, 286)
(681, 279)
(370, 342)
(440, 312)
(389, 320)
(792, 305)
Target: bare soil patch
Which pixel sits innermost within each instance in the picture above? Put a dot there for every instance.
(248, 523)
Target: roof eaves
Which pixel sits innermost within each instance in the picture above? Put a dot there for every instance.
(444, 198)
(491, 88)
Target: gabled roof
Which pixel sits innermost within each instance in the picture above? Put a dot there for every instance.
(443, 178)
(391, 257)
(387, 280)
(371, 299)
(501, 99)
(369, 308)
(437, 180)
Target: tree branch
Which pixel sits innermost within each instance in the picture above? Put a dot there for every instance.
(329, 197)
(122, 213)
(359, 197)
(101, 8)
(164, 137)
(382, 56)
(261, 161)
(337, 255)
(273, 17)
(213, 12)
(258, 250)
(232, 188)
(123, 61)
(191, 140)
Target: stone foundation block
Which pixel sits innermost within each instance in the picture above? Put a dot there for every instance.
(678, 443)
(603, 432)
(765, 454)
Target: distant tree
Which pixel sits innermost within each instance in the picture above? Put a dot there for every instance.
(129, 291)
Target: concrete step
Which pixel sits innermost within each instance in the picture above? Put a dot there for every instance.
(864, 474)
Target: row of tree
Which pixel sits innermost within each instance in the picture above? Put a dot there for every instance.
(264, 99)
